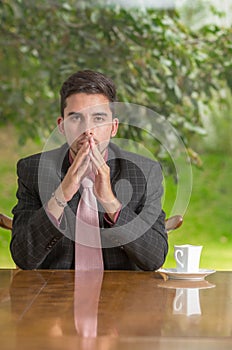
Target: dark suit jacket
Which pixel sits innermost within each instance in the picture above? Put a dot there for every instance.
(138, 240)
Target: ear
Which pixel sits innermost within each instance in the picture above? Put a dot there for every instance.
(114, 129)
(60, 124)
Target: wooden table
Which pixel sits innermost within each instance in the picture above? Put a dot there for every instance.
(136, 310)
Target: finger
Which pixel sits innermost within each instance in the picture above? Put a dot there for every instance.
(97, 155)
(91, 142)
(94, 148)
(98, 162)
(83, 169)
(80, 156)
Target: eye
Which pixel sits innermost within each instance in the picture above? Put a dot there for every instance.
(75, 117)
(99, 119)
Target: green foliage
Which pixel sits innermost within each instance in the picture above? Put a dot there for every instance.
(217, 119)
(154, 59)
(208, 219)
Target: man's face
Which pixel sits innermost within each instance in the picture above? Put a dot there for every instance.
(85, 116)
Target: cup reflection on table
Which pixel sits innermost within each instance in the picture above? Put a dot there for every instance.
(187, 302)
(187, 297)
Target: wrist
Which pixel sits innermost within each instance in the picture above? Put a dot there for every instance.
(60, 202)
(55, 205)
(112, 207)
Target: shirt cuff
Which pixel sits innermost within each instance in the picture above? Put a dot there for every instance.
(109, 220)
(54, 220)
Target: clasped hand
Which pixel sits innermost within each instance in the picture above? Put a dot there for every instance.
(88, 159)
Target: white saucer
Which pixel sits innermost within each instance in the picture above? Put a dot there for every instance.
(197, 276)
(185, 284)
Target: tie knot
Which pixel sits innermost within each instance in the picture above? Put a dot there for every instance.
(87, 182)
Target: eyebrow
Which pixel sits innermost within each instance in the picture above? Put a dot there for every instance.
(75, 113)
(93, 114)
(100, 113)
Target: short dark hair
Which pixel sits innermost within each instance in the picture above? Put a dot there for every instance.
(89, 82)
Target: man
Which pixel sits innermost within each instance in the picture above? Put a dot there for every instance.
(127, 187)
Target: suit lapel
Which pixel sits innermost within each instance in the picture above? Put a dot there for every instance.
(62, 164)
(113, 162)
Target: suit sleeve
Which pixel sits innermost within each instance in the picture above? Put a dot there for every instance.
(34, 236)
(140, 228)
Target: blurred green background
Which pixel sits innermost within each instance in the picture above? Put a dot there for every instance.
(175, 60)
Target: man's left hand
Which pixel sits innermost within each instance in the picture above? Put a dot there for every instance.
(102, 185)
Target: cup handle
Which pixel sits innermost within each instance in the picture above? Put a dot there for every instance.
(179, 252)
(177, 303)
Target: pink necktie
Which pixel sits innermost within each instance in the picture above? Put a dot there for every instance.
(88, 263)
(88, 252)
(86, 298)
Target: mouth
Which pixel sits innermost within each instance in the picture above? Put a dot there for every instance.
(76, 145)
(80, 143)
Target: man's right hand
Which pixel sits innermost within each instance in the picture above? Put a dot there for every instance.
(76, 172)
(71, 182)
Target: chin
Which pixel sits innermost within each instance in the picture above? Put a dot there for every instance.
(102, 147)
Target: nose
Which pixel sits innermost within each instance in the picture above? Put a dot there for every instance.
(88, 131)
(87, 127)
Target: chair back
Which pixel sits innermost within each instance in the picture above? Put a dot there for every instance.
(5, 222)
(173, 222)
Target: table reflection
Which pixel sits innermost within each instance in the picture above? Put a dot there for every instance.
(86, 298)
(87, 304)
(116, 305)
(42, 303)
(187, 300)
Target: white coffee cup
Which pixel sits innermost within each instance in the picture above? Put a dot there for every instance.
(187, 257)
(187, 302)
